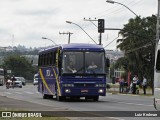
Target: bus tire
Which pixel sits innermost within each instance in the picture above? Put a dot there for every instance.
(60, 98)
(96, 98)
(45, 96)
(50, 96)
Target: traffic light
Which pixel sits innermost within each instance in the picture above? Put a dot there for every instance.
(101, 25)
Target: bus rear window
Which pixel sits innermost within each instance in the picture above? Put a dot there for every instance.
(158, 61)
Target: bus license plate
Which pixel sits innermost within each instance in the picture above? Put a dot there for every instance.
(84, 91)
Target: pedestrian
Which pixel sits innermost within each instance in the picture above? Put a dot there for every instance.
(13, 81)
(135, 79)
(121, 85)
(144, 84)
(7, 81)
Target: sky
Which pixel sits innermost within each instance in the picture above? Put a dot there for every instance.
(25, 22)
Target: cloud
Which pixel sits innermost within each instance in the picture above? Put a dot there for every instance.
(29, 20)
(38, 12)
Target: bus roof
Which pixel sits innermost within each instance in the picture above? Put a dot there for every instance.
(82, 46)
(76, 47)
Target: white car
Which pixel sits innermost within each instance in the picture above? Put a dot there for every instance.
(18, 83)
(21, 79)
(35, 81)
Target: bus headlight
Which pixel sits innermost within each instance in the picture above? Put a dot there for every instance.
(100, 85)
(67, 90)
(100, 90)
(67, 85)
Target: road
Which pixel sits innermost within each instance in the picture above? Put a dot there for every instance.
(108, 103)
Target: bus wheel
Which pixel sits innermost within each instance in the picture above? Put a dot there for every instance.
(50, 96)
(45, 96)
(60, 98)
(96, 98)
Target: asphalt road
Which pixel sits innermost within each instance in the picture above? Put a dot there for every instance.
(111, 102)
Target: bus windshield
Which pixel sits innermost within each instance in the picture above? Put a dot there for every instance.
(83, 62)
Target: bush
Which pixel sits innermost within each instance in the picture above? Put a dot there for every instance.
(108, 86)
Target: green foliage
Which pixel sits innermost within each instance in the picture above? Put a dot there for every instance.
(138, 43)
(19, 66)
(108, 86)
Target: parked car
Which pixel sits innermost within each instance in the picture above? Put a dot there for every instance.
(21, 79)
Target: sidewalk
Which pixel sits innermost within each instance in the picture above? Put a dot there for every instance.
(115, 90)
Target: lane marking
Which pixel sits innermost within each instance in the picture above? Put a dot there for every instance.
(18, 92)
(132, 103)
(29, 92)
(7, 93)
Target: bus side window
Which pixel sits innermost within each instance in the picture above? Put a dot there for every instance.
(47, 59)
(54, 58)
(43, 59)
(50, 58)
(39, 60)
(158, 61)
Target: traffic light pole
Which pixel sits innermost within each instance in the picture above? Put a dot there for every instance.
(100, 38)
(100, 35)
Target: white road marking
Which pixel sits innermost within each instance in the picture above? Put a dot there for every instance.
(133, 104)
(7, 93)
(18, 92)
(116, 118)
(29, 92)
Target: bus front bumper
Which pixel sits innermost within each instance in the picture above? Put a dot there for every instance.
(83, 92)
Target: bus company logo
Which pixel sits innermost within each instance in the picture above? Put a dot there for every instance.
(48, 73)
(6, 114)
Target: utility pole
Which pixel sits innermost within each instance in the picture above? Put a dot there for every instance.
(158, 23)
(69, 35)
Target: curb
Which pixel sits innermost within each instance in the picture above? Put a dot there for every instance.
(131, 94)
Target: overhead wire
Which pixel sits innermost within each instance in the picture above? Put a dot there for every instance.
(109, 11)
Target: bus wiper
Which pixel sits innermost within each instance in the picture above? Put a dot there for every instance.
(94, 73)
(79, 70)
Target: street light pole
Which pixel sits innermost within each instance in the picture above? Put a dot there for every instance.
(110, 1)
(49, 39)
(81, 29)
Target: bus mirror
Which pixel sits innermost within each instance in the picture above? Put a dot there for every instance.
(107, 62)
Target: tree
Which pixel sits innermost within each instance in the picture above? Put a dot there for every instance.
(138, 45)
(19, 66)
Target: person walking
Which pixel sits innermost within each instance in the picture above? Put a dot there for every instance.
(144, 84)
(13, 81)
(135, 79)
(121, 85)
